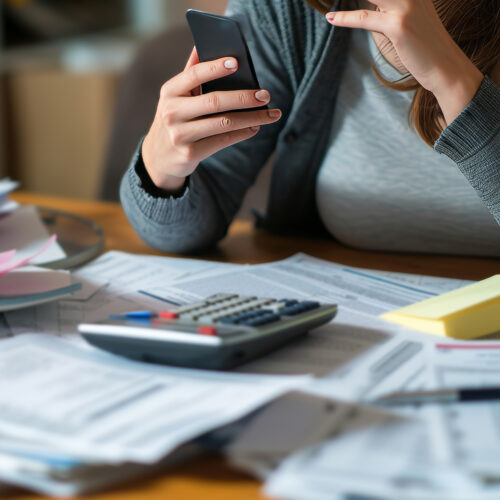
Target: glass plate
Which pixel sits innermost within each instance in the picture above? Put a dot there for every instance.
(80, 238)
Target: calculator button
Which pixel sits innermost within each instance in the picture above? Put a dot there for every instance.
(220, 297)
(299, 308)
(229, 321)
(168, 315)
(207, 330)
(290, 311)
(262, 320)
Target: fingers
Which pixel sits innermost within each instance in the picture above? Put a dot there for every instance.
(198, 74)
(220, 102)
(193, 59)
(365, 19)
(221, 124)
(211, 145)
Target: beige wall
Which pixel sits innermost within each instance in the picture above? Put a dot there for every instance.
(60, 125)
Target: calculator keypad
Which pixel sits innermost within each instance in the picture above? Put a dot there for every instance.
(228, 309)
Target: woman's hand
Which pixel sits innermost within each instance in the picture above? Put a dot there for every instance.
(424, 46)
(182, 135)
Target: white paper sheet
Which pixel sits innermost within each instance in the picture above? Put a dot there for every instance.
(43, 471)
(29, 280)
(106, 409)
(294, 422)
(360, 354)
(467, 433)
(375, 456)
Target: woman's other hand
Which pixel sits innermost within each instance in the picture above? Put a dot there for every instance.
(182, 135)
(424, 46)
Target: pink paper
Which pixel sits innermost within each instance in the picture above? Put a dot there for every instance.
(6, 256)
(32, 280)
(7, 267)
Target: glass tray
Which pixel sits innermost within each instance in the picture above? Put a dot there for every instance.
(80, 238)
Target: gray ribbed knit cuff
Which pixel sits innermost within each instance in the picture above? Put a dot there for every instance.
(478, 123)
(164, 211)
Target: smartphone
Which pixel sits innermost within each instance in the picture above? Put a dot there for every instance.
(219, 36)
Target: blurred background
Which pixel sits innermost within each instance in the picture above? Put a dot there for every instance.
(79, 80)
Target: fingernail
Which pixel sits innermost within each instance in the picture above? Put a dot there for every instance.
(230, 64)
(274, 113)
(254, 129)
(262, 95)
(330, 16)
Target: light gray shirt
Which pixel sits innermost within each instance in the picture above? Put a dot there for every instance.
(380, 186)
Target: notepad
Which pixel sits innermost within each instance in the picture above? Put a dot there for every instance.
(466, 313)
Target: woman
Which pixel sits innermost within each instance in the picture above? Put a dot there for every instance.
(347, 158)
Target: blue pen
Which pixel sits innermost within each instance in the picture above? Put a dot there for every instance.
(135, 315)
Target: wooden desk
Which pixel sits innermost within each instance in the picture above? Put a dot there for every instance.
(209, 477)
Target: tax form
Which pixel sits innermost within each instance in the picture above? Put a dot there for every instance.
(358, 355)
(467, 433)
(105, 409)
(375, 456)
(442, 452)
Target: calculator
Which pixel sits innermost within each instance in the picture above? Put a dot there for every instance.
(220, 332)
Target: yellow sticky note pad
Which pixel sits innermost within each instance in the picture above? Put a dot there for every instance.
(466, 313)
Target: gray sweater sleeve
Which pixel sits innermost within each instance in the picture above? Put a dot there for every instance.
(472, 141)
(200, 217)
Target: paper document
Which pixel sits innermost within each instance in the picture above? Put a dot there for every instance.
(24, 231)
(57, 474)
(375, 456)
(107, 409)
(358, 354)
(112, 284)
(33, 280)
(6, 187)
(468, 433)
(293, 422)
(302, 276)
(29, 286)
(15, 263)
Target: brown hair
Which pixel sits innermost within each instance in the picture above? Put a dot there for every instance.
(474, 26)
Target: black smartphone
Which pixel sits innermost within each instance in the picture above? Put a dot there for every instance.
(219, 36)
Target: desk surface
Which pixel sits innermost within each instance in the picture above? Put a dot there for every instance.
(209, 477)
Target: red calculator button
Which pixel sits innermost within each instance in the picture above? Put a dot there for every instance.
(207, 330)
(168, 315)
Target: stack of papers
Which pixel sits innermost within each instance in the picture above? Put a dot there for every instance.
(23, 230)
(6, 187)
(23, 286)
(441, 452)
(317, 437)
(24, 242)
(69, 412)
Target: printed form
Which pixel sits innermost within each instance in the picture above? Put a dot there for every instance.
(467, 433)
(107, 409)
(358, 355)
